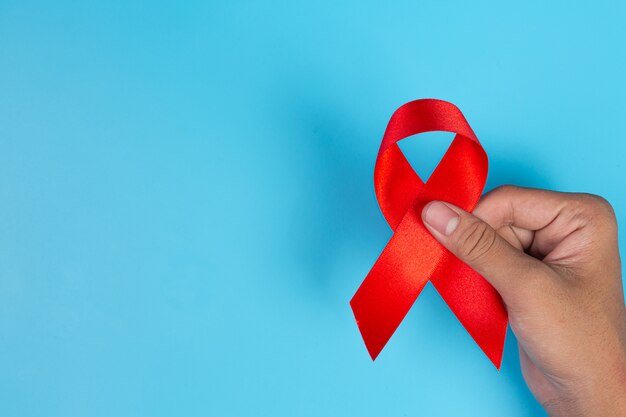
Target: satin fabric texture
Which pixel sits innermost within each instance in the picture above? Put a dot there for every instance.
(413, 257)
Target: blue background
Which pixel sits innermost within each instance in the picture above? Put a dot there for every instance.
(187, 207)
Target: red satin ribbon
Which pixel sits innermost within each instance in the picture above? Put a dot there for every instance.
(413, 256)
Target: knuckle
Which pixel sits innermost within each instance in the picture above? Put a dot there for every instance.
(604, 207)
(598, 207)
(477, 241)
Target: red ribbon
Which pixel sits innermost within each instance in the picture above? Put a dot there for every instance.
(413, 256)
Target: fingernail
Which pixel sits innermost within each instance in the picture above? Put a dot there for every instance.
(440, 217)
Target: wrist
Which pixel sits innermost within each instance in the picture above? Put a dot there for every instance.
(600, 393)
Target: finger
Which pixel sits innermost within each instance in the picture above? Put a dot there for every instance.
(525, 208)
(520, 238)
(540, 219)
(477, 244)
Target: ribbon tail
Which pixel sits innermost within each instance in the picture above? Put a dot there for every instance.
(475, 303)
(395, 281)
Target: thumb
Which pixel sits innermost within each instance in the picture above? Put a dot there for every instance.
(478, 245)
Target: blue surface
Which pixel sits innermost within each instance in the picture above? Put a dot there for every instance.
(186, 197)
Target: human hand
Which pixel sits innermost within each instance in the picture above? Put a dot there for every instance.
(554, 259)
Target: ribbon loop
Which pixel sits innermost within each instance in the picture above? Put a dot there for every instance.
(413, 256)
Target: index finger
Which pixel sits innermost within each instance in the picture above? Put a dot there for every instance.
(526, 208)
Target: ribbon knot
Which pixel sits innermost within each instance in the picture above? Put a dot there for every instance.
(413, 257)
